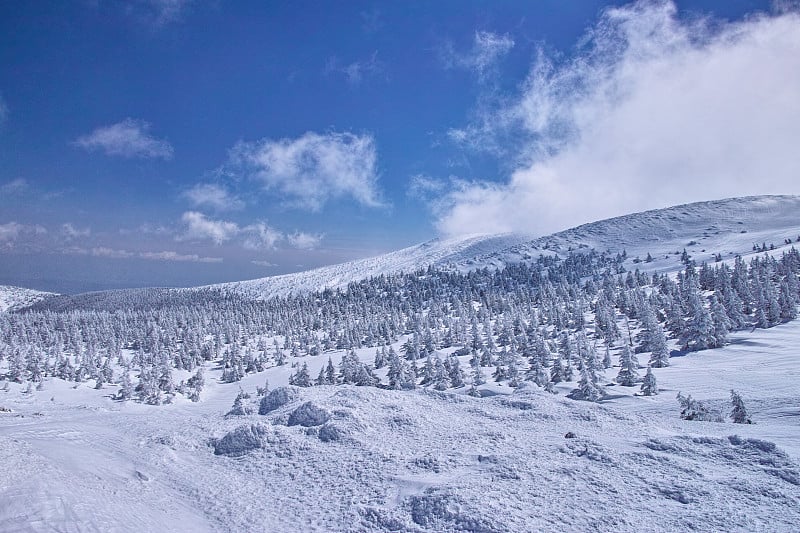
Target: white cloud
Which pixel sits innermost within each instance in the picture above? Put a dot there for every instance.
(69, 231)
(174, 256)
(260, 236)
(200, 227)
(102, 251)
(304, 241)
(213, 196)
(112, 253)
(487, 49)
(14, 187)
(312, 169)
(654, 110)
(424, 187)
(266, 264)
(10, 231)
(14, 235)
(256, 236)
(129, 138)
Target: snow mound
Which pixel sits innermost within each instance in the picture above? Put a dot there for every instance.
(278, 398)
(242, 440)
(309, 415)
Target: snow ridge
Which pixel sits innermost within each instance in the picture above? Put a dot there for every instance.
(12, 298)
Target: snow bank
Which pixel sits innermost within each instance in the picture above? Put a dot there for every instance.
(309, 415)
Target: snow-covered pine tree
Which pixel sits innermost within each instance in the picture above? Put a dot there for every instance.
(301, 378)
(649, 385)
(739, 413)
(659, 358)
(628, 374)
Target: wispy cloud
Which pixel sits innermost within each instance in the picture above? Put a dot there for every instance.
(312, 169)
(424, 187)
(129, 138)
(103, 251)
(371, 21)
(14, 187)
(167, 11)
(256, 236)
(214, 196)
(261, 263)
(305, 241)
(14, 235)
(199, 227)
(356, 71)
(175, 256)
(260, 236)
(112, 253)
(653, 110)
(487, 49)
(69, 231)
(10, 231)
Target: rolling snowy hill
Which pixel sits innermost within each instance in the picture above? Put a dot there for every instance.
(728, 227)
(12, 298)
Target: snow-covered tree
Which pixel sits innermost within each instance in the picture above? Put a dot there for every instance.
(628, 374)
(739, 413)
(649, 385)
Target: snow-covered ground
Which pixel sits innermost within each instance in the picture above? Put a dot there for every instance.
(76, 460)
(18, 297)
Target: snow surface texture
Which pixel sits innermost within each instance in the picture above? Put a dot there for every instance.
(726, 226)
(12, 298)
(343, 458)
(366, 459)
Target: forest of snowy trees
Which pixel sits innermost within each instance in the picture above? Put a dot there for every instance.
(549, 321)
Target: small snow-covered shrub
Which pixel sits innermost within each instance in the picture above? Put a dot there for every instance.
(309, 415)
(692, 409)
(278, 398)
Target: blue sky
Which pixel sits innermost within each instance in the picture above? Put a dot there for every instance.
(176, 142)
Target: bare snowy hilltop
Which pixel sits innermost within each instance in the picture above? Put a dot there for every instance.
(639, 373)
(12, 298)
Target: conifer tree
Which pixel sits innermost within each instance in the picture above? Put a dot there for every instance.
(739, 413)
(628, 373)
(649, 386)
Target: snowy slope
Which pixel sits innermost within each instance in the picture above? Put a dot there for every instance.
(729, 227)
(435, 252)
(17, 297)
(75, 460)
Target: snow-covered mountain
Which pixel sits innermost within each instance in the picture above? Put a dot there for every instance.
(728, 227)
(12, 298)
(437, 252)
